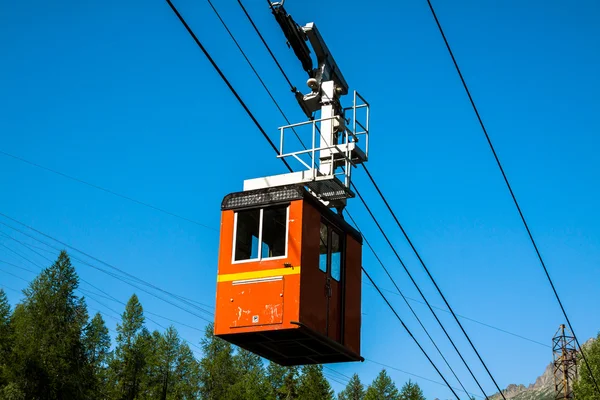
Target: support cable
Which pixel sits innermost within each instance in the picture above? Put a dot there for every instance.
(264, 42)
(292, 87)
(224, 78)
(255, 71)
(103, 270)
(210, 306)
(407, 303)
(195, 38)
(417, 287)
(105, 295)
(512, 194)
(408, 331)
(106, 190)
(426, 270)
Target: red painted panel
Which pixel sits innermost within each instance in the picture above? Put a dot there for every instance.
(256, 302)
(226, 290)
(352, 302)
(313, 296)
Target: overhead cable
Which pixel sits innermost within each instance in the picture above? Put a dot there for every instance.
(195, 38)
(512, 194)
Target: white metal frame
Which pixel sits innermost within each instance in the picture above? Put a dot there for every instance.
(260, 241)
(350, 140)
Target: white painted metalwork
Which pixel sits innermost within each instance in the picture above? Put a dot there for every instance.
(337, 136)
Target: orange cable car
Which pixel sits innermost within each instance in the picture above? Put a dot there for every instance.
(289, 278)
(289, 275)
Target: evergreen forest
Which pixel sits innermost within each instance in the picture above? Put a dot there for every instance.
(52, 348)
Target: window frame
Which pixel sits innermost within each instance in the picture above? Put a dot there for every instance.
(260, 235)
(331, 229)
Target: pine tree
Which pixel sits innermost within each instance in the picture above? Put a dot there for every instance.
(172, 369)
(187, 374)
(355, 390)
(313, 385)
(128, 367)
(5, 339)
(96, 344)
(411, 391)
(217, 373)
(251, 377)
(49, 359)
(584, 388)
(382, 388)
(283, 382)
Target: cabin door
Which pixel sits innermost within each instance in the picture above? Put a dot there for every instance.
(330, 263)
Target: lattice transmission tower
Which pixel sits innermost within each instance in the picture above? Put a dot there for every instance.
(565, 363)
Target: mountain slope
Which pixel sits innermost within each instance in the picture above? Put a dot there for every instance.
(542, 389)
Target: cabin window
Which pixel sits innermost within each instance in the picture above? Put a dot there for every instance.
(260, 233)
(247, 234)
(274, 232)
(330, 251)
(336, 256)
(323, 247)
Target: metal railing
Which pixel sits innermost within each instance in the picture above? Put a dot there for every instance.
(347, 135)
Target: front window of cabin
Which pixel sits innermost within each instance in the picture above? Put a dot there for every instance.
(260, 233)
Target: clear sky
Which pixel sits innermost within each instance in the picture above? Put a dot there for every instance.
(117, 94)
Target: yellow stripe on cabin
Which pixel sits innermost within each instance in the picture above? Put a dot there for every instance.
(266, 273)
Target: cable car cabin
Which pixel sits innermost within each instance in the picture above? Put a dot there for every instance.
(289, 278)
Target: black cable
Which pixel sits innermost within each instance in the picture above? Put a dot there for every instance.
(473, 320)
(107, 190)
(426, 270)
(211, 306)
(104, 271)
(16, 276)
(224, 78)
(17, 266)
(141, 281)
(264, 42)
(30, 248)
(512, 194)
(417, 286)
(263, 132)
(255, 71)
(407, 303)
(409, 332)
(292, 87)
(84, 291)
(408, 373)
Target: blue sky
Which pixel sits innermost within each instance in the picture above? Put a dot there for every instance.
(118, 95)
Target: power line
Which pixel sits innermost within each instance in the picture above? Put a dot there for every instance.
(411, 374)
(254, 70)
(399, 292)
(106, 190)
(89, 294)
(418, 288)
(224, 78)
(9, 288)
(16, 276)
(107, 272)
(292, 87)
(409, 332)
(137, 279)
(264, 42)
(211, 306)
(195, 38)
(116, 276)
(512, 194)
(470, 319)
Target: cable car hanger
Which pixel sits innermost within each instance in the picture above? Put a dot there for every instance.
(289, 275)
